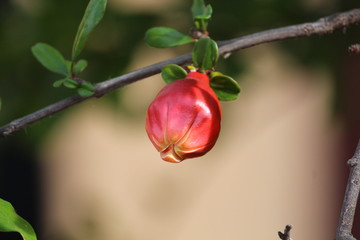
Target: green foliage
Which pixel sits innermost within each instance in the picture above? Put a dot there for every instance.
(59, 82)
(85, 92)
(50, 58)
(88, 86)
(11, 222)
(164, 37)
(80, 66)
(200, 11)
(225, 87)
(93, 14)
(70, 83)
(201, 14)
(86, 89)
(172, 72)
(205, 54)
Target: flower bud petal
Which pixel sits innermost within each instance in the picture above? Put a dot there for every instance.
(183, 121)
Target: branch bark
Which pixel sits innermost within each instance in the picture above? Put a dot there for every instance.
(286, 234)
(323, 26)
(346, 219)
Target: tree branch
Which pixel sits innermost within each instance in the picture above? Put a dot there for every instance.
(322, 26)
(286, 234)
(346, 219)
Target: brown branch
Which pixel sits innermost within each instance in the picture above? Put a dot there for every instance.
(355, 48)
(345, 224)
(286, 234)
(322, 26)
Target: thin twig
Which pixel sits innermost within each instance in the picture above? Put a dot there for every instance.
(355, 49)
(286, 234)
(322, 26)
(345, 224)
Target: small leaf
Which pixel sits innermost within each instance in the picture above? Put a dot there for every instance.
(200, 11)
(205, 54)
(225, 87)
(207, 13)
(87, 85)
(68, 65)
(164, 37)
(92, 16)
(70, 83)
(50, 58)
(172, 72)
(11, 222)
(85, 92)
(201, 15)
(58, 83)
(80, 66)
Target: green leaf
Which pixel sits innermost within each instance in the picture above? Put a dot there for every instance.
(59, 82)
(68, 65)
(200, 11)
(207, 13)
(164, 37)
(205, 54)
(80, 66)
(225, 87)
(85, 92)
(70, 83)
(11, 222)
(87, 85)
(172, 72)
(92, 16)
(0, 103)
(201, 15)
(50, 58)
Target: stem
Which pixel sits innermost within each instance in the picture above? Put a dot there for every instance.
(203, 25)
(286, 234)
(346, 219)
(323, 26)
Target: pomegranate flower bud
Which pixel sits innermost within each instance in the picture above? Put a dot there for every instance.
(183, 121)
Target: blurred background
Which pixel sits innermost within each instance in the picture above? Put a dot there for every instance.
(90, 172)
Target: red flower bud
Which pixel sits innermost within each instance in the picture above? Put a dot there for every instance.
(183, 121)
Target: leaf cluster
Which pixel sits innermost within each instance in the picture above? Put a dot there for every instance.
(204, 55)
(54, 61)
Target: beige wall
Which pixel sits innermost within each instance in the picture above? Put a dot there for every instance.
(276, 163)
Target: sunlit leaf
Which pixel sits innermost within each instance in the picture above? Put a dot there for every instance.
(225, 87)
(163, 37)
(205, 53)
(92, 16)
(50, 58)
(172, 72)
(11, 222)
